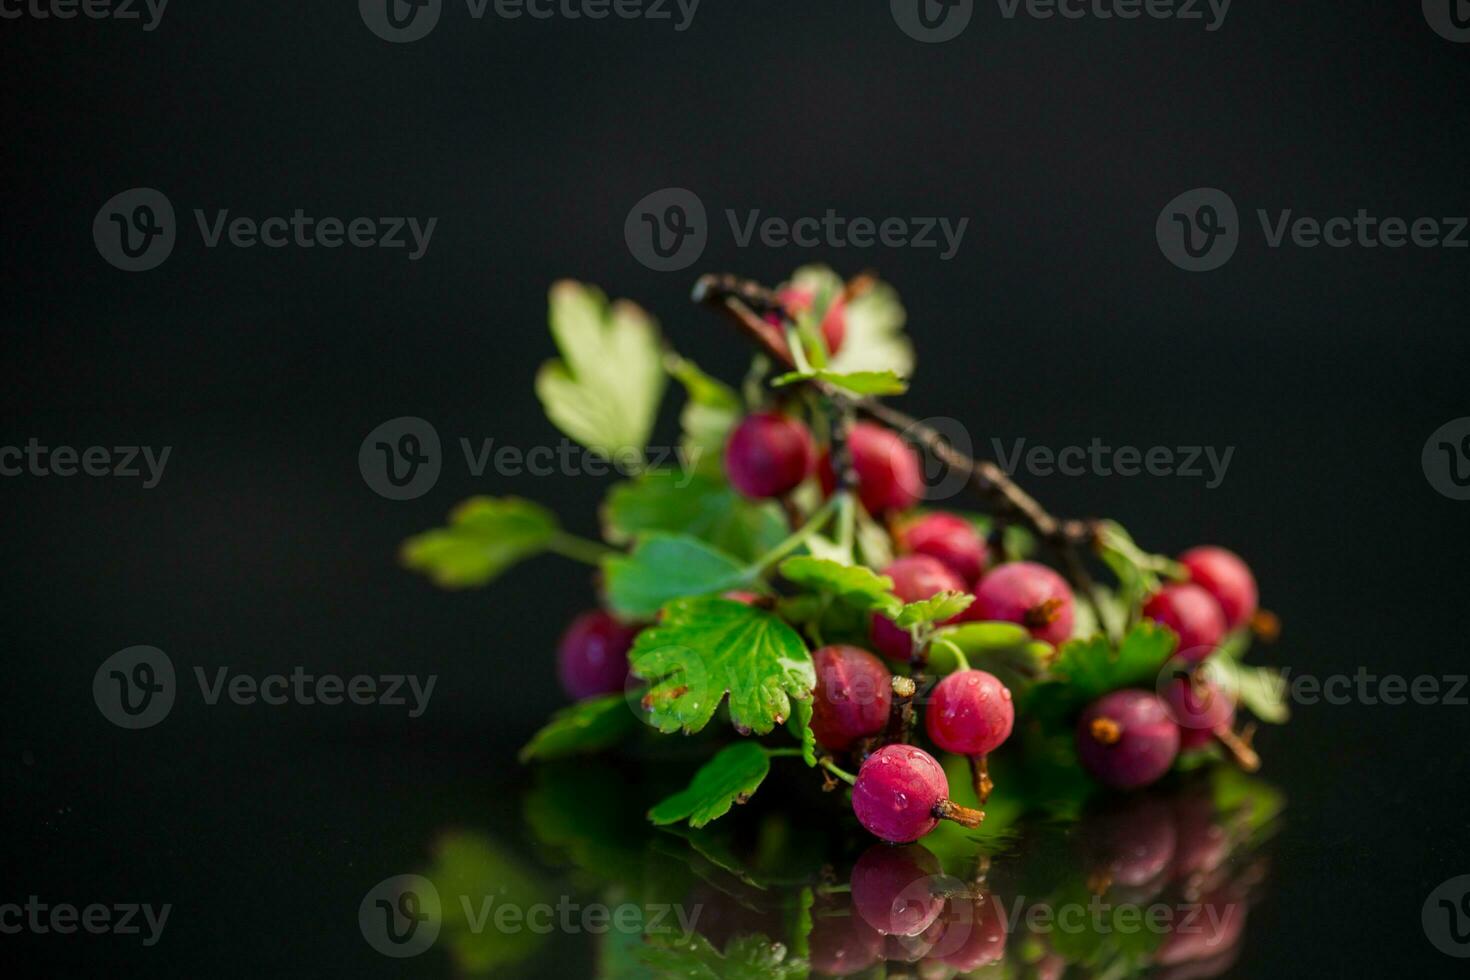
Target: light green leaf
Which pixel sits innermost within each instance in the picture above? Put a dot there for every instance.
(857, 382)
(485, 536)
(604, 391)
(855, 585)
(801, 726)
(704, 649)
(587, 726)
(697, 504)
(664, 567)
(731, 777)
(1262, 690)
(711, 411)
(874, 339)
(935, 609)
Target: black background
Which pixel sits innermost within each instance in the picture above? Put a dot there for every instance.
(1059, 320)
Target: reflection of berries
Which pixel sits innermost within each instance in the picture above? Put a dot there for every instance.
(768, 454)
(592, 657)
(1029, 594)
(915, 578)
(1192, 613)
(893, 889)
(852, 697)
(901, 793)
(971, 713)
(974, 932)
(888, 474)
(1126, 739)
(953, 540)
(1227, 578)
(841, 943)
(1200, 708)
(1130, 840)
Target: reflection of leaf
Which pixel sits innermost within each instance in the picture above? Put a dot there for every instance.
(706, 648)
(1254, 801)
(473, 867)
(587, 726)
(664, 567)
(605, 390)
(697, 504)
(731, 777)
(746, 957)
(485, 536)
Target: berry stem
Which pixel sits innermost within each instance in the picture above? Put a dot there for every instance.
(1239, 749)
(962, 815)
(841, 774)
(980, 776)
(796, 539)
(962, 661)
(579, 549)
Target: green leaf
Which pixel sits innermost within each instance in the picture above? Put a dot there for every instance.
(974, 638)
(857, 382)
(935, 609)
(664, 567)
(697, 504)
(874, 339)
(1086, 669)
(711, 411)
(604, 391)
(855, 585)
(731, 777)
(801, 726)
(749, 956)
(485, 536)
(705, 649)
(1262, 690)
(1004, 649)
(587, 726)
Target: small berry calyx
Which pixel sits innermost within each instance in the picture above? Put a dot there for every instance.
(1193, 614)
(901, 794)
(971, 713)
(592, 657)
(768, 455)
(1226, 577)
(915, 578)
(1028, 594)
(948, 538)
(852, 698)
(888, 474)
(1126, 739)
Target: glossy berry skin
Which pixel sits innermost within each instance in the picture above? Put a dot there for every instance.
(971, 713)
(1227, 578)
(1029, 594)
(888, 473)
(1200, 708)
(853, 694)
(768, 454)
(952, 540)
(592, 657)
(893, 889)
(1193, 614)
(915, 577)
(896, 792)
(1126, 739)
